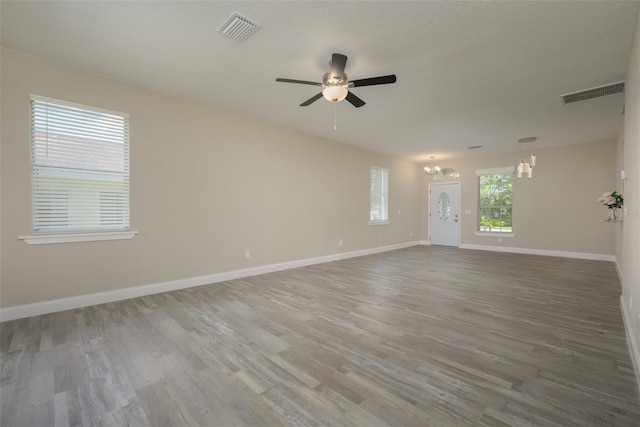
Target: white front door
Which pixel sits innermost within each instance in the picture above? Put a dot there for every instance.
(444, 214)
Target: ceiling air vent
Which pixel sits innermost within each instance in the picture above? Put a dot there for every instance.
(596, 92)
(238, 27)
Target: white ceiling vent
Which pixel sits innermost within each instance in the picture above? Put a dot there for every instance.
(238, 27)
(596, 92)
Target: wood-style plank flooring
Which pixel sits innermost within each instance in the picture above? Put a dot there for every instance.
(424, 336)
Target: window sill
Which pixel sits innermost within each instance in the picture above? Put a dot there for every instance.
(379, 222)
(45, 239)
(493, 234)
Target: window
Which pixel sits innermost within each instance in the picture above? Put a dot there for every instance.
(495, 200)
(79, 168)
(446, 173)
(112, 209)
(379, 195)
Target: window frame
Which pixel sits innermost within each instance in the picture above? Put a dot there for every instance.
(508, 170)
(384, 196)
(67, 173)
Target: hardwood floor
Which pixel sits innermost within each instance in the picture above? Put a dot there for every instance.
(424, 336)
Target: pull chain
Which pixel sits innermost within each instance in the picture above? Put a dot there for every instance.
(335, 116)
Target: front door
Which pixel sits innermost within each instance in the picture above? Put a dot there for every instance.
(444, 214)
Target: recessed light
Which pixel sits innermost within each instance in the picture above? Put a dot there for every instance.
(473, 147)
(527, 139)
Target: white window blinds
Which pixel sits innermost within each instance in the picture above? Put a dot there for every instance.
(378, 190)
(79, 167)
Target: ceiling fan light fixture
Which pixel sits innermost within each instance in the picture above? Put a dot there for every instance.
(336, 84)
(335, 93)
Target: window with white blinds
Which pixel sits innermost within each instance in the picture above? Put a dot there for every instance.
(79, 168)
(379, 195)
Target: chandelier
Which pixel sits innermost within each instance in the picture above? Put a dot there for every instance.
(525, 167)
(432, 170)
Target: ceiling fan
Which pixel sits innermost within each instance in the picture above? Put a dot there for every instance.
(336, 84)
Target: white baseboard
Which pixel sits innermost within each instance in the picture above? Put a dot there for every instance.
(52, 306)
(562, 254)
(619, 270)
(632, 342)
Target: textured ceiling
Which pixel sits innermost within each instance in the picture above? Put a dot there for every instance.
(469, 73)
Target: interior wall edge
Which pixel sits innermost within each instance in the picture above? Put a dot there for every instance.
(70, 303)
(632, 342)
(543, 252)
(619, 270)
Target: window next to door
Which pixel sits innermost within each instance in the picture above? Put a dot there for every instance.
(495, 202)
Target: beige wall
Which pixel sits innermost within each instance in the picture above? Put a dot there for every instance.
(630, 228)
(556, 210)
(207, 185)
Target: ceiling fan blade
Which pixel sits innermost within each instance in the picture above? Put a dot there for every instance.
(302, 82)
(354, 100)
(371, 81)
(338, 62)
(311, 100)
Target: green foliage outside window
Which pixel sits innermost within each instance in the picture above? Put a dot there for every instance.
(495, 202)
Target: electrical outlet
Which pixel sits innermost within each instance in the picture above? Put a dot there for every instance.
(499, 239)
(411, 234)
(340, 242)
(247, 254)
